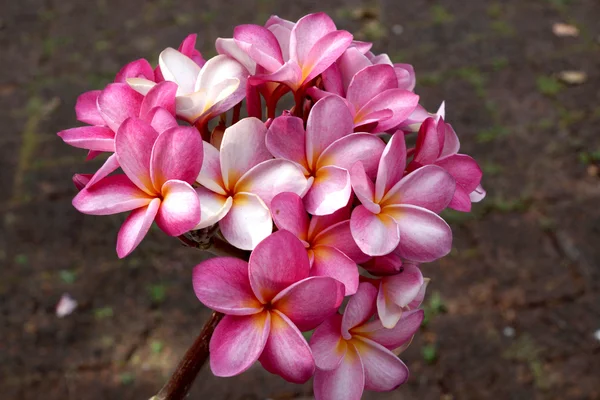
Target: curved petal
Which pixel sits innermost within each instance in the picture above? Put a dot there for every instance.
(272, 270)
(180, 208)
(395, 337)
(347, 381)
(389, 264)
(430, 140)
(271, 177)
(369, 82)
(451, 142)
(384, 371)
(322, 222)
(430, 187)
(260, 44)
(110, 165)
(345, 152)
(161, 119)
(220, 69)
(324, 53)
(425, 236)
(328, 121)
(286, 139)
(286, 352)
(136, 69)
(289, 214)
(401, 102)
(162, 95)
(248, 221)
(306, 33)
(141, 85)
(391, 165)
(221, 283)
(375, 234)
(180, 69)
(228, 47)
(464, 169)
(111, 195)
(210, 173)
(406, 76)
(309, 302)
(86, 108)
(363, 187)
(360, 308)
(242, 148)
(289, 74)
(213, 207)
(97, 138)
(352, 61)
(117, 102)
(332, 82)
(188, 48)
(327, 344)
(133, 145)
(461, 201)
(81, 180)
(135, 228)
(340, 237)
(478, 194)
(329, 261)
(329, 192)
(176, 154)
(388, 312)
(248, 332)
(400, 290)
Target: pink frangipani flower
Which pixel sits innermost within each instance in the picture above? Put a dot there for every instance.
(400, 211)
(325, 152)
(268, 302)
(159, 170)
(353, 353)
(437, 144)
(327, 240)
(239, 182)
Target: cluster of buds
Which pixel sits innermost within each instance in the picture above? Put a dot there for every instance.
(319, 193)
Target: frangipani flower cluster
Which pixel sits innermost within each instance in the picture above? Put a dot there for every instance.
(325, 198)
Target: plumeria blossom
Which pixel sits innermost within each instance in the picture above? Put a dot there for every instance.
(203, 92)
(188, 49)
(438, 144)
(401, 211)
(268, 301)
(325, 151)
(353, 352)
(239, 181)
(292, 54)
(327, 240)
(159, 170)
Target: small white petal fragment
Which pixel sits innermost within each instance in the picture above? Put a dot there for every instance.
(573, 77)
(597, 335)
(565, 30)
(66, 305)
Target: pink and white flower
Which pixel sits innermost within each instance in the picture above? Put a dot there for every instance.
(353, 353)
(325, 152)
(268, 302)
(159, 170)
(400, 211)
(239, 182)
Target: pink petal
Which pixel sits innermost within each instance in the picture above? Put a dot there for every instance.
(111, 195)
(359, 309)
(242, 148)
(430, 140)
(464, 169)
(289, 74)
(329, 120)
(110, 165)
(330, 191)
(391, 165)
(350, 63)
(286, 352)
(180, 208)
(210, 173)
(384, 371)
(81, 180)
(363, 187)
(345, 152)
(271, 177)
(327, 344)
(133, 145)
(188, 48)
(425, 236)
(331, 262)
(429, 187)
(369, 82)
(375, 234)
(233, 333)
(272, 270)
(398, 290)
(86, 108)
(117, 102)
(309, 302)
(260, 44)
(406, 76)
(389, 313)
(395, 337)
(222, 284)
(289, 214)
(161, 95)
(451, 142)
(332, 81)
(286, 139)
(231, 49)
(346, 382)
(306, 33)
(461, 200)
(478, 194)
(161, 119)
(136, 69)
(248, 221)
(135, 228)
(323, 222)
(213, 207)
(401, 102)
(177, 154)
(340, 237)
(324, 53)
(388, 264)
(97, 138)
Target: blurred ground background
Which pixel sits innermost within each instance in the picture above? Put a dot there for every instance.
(512, 313)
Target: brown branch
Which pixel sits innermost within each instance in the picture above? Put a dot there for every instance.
(181, 381)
